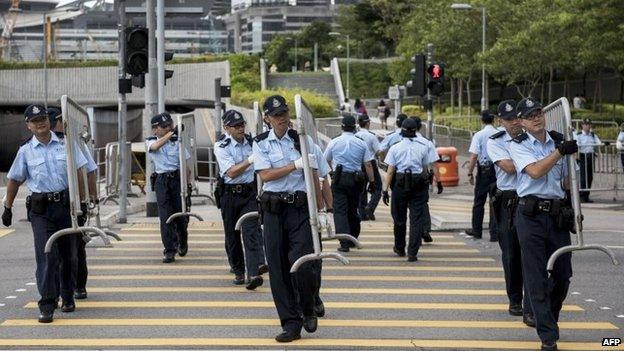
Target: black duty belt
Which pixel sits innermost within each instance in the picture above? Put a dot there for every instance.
(543, 205)
(239, 188)
(52, 197)
(172, 174)
(297, 198)
(506, 194)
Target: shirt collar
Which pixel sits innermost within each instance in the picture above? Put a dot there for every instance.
(507, 137)
(272, 135)
(534, 140)
(35, 142)
(348, 133)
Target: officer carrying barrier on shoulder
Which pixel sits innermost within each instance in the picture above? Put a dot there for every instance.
(348, 154)
(166, 181)
(409, 179)
(50, 169)
(284, 160)
(486, 177)
(367, 207)
(239, 189)
(504, 204)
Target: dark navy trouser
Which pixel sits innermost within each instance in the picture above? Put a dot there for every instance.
(55, 270)
(539, 238)
(400, 202)
(483, 183)
(169, 202)
(375, 196)
(346, 194)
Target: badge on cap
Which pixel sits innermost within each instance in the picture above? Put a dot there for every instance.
(36, 110)
(237, 117)
(508, 108)
(164, 118)
(530, 103)
(276, 103)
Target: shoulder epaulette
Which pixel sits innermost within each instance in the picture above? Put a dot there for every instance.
(556, 136)
(153, 137)
(249, 138)
(60, 135)
(221, 137)
(579, 133)
(295, 137)
(359, 137)
(224, 143)
(520, 138)
(173, 138)
(497, 135)
(261, 136)
(26, 141)
(371, 132)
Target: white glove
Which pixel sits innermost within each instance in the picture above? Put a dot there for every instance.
(311, 158)
(322, 219)
(250, 159)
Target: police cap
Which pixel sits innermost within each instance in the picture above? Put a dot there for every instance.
(400, 118)
(587, 121)
(507, 109)
(409, 125)
(526, 106)
(275, 105)
(363, 118)
(162, 119)
(233, 118)
(34, 111)
(348, 121)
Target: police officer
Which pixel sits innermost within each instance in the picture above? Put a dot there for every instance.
(587, 141)
(543, 219)
(427, 218)
(348, 154)
(42, 163)
(486, 177)
(504, 205)
(287, 231)
(409, 180)
(392, 138)
(367, 207)
(235, 158)
(80, 270)
(163, 146)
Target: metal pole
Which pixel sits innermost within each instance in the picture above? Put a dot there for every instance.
(429, 102)
(122, 118)
(45, 61)
(315, 56)
(484, 103)
(296, 65)
(151, 103)
(160, 37)
(348, 67)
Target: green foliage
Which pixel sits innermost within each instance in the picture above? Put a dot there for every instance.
(244, 72)
(321, 105)
(276, 52)
(368, 79)
(6, 65)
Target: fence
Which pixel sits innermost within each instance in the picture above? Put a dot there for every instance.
(608, 172)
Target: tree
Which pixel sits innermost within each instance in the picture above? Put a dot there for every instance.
(277, 53)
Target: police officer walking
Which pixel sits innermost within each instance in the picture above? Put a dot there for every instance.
(504, 204)
(80, 270)
(42, 163)
(393, 137)
(543, 219)
(163, 148)
(486, 177)
(235, 157)
(348, 154)
(587, 141)
(409, 180)
(287, 232)
(427, 218)
(367, 207)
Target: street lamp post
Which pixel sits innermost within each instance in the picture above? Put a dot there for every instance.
(484, 102)
(348, 60)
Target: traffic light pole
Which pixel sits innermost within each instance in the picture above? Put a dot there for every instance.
(122, 115)
(151, 103)
(429, 99)
(160, 37)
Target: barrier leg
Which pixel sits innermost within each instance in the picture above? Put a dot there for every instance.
(317, 256)
(79, 230)
(247, 216)
(184, 214)
(571, 248)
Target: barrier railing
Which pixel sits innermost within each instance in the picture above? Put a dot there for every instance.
(604, 168)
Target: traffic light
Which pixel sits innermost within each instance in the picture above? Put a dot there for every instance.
(436, 79)
(168, 72)
(136, 62)
(416, 86)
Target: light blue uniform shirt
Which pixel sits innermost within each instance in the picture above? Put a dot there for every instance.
(587, 142)
(390, 140)
(478, 145)
(498, 149)
(371, 140)
(273, 152)
(349, 151)
(621, 137)
(43, 167)
(230, 152)
(530, 151)
(412, 154)
(167, 158)
(323, 166)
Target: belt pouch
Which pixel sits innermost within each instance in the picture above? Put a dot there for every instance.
(530, 206)
(39, 204)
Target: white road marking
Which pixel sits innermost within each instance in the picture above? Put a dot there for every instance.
(20, 290)
(11, 297)
(590, 300)
(605, 308)
(575, 293)
(29, 284)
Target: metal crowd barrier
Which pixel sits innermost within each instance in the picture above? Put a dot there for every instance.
(77, 135)
(558, 118)
(186, 146)
(608, 174)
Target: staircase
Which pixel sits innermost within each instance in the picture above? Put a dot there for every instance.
(319, 82)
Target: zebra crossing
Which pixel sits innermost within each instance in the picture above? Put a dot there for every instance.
(452, 298)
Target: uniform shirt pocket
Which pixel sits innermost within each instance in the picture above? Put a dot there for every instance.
(37, 167)
(277, 158)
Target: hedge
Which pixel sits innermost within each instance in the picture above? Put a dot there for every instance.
(367, 79)
(321, 105)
